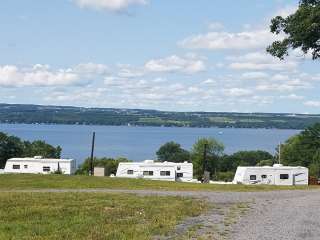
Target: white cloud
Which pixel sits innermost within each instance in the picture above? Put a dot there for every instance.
(292, 97)
(112, 81)
(149, 92)
(110, 5)
(128, 71)
(237, 92)
(215, 26)
(288, 82)
(82, 96)
(91, 69)
(286, 11)
(290, 86)
(280, 77)
(226, 40)
(189, 65)
(312, 103)
(250, 38)
(219, 65)
(254, 75)
(41, 75)
(209, 81)
(159, 80)
(258, 61)
(38, 75)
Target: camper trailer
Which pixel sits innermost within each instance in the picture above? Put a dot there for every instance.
(149, 169)
(41, 165)
(276, 175)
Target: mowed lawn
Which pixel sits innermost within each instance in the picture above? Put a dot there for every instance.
(37, 181)
(91, 215)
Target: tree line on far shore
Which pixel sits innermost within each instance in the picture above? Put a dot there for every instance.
(300, 150)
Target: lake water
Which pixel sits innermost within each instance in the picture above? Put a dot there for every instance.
(140, 143)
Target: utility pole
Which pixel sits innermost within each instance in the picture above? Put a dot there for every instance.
(92, 152)
(280, 153)
(206, 174)
(205, 157)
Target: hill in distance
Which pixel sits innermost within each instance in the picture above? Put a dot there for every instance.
(40, 114)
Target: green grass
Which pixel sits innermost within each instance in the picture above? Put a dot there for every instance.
(91, 215)
(25, 181)
(251, 120)
(221, 120)
(160, 121)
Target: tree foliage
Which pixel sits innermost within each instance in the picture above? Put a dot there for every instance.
(303, 150)
(172, 152)
(41, 148)
(268, 162)
(301, 29)
(245, 158)
(110, 165)
(225, 176)
(11, 146)
(214, 152)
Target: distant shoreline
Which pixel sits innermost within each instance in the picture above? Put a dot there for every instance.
(144, 126)
(56, 115)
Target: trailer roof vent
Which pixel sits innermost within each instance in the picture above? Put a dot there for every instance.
(277, 165)
(149, 161)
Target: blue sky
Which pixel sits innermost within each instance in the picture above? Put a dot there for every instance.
(176, 55)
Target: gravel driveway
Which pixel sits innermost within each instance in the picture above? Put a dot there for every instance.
(281, 215)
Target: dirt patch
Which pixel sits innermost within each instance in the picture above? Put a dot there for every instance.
(215, 224)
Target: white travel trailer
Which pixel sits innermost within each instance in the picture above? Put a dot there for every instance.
(149, 169)
(275, 175)
(41, 165)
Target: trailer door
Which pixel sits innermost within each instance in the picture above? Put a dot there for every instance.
(271, 179)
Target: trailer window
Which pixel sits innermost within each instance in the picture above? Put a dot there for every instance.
(253, 177)
(164, 173)
(284, 176)
(179, 175)
(263, 176)
(25, 166)
(130, 172)
(46, 169)
(179, 168)
(147, 173)
(16, 166)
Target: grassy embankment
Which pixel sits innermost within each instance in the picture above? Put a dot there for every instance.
(25, 181)
(91, 215)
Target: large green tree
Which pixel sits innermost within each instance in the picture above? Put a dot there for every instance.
(172, 152)
(11, 146)
(301, 30)
(245, 158)
(41, 148)
(214, 152)
(303, 150)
